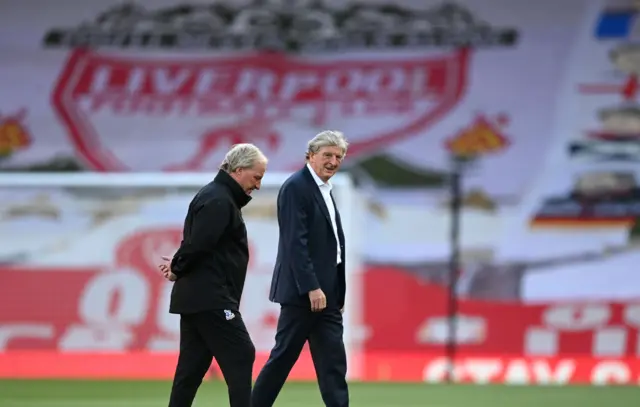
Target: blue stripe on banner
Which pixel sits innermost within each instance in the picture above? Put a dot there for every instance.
(615, 24)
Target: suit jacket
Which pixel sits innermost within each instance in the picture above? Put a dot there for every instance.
(307, 249)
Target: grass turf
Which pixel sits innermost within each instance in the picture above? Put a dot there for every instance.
(51, 393)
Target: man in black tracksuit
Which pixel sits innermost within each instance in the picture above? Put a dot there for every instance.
(209, 270)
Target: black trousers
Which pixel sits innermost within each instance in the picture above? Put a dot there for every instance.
(203, 336)
(324, 332)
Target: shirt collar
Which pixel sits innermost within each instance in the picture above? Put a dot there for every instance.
(317, 179)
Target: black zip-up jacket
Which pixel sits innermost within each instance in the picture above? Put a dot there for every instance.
(211, 263)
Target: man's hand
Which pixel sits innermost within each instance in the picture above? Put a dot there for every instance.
(165, 268)
(318, 300)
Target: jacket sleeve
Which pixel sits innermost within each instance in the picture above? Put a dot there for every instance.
(208, 224)
(294, 230)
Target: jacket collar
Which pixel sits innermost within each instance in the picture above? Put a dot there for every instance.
(306, 172)
(317, 179)
(237, 193)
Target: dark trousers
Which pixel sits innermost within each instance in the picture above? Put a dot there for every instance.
(206, 335)
(324, 332)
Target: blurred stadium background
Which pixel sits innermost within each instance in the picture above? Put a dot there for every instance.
(490, 193)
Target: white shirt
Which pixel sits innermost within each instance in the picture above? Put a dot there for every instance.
(325, 190)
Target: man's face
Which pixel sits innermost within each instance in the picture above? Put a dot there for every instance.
(326, 161)
(250, 178)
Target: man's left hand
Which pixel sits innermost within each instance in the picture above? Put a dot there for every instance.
(342, 310)
(165, 268)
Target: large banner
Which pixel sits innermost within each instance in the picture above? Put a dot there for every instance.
(185, 81)
(168, 86)
(545, 102)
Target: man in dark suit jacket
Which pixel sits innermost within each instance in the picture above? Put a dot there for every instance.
(209, 270)
(309, 278)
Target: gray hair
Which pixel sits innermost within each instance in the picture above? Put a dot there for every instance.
(328, 138)
(244, 155)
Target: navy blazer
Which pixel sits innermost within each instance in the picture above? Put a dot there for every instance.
(307, 249)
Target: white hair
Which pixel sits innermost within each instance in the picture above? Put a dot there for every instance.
(328, 138)
(244, 155)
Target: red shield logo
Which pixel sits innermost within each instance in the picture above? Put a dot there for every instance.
(161, 114)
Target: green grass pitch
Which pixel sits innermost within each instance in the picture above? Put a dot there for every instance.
(23, 393)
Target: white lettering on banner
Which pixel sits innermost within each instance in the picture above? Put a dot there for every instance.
(255, 82)
(608, 340)
(113, 306)
(571, 317)
(187, 106)
(354, 81)
(125, 291)
(9, 332)
(165, 84)
(296, 83)
(268, 86)
(483, 371)
(469, 330)
(96, 338)
(610, 372)
(197, 91)
(205, 81)
(102, 328)
(100, 81)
